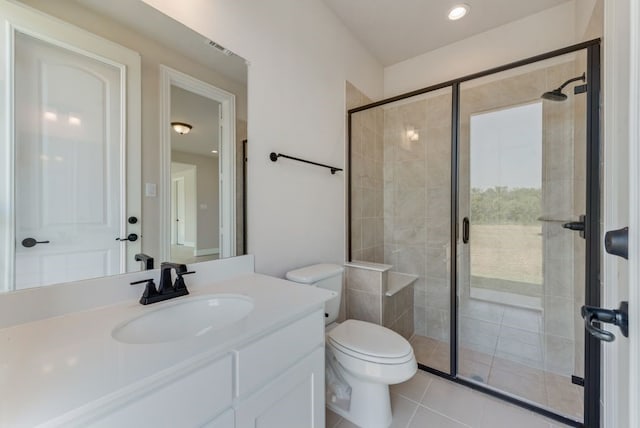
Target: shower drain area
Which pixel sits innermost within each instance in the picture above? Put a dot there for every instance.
(477, 378)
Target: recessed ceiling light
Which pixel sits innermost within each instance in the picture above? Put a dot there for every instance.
(214, 151)
(458, 12)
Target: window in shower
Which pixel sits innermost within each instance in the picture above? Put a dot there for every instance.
(505, 205)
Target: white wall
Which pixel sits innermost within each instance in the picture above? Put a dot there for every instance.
(539, 33)
(300, 55)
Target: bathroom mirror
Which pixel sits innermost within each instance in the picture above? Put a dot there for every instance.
(125, 139)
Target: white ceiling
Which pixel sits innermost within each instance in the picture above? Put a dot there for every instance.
(396, 30)
(202, 114)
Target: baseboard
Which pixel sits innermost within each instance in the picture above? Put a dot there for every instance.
(206, 252)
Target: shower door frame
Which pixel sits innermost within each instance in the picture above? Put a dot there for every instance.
(592, 223)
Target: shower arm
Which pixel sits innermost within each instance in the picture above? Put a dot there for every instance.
(575, 79)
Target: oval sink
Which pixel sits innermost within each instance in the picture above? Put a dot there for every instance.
(188, 318)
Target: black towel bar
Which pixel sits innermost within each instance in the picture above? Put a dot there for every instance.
(274, 157)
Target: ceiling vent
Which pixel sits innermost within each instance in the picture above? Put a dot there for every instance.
(221, 48)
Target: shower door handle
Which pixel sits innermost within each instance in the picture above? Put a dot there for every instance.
(465, 230)
(619, 317)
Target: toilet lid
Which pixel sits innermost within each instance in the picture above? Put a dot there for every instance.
(370, 339)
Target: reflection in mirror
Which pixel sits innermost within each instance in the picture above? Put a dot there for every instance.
(100, 175)
(195, 193)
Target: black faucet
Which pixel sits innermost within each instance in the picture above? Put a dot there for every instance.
(146, 259)
(165, 290)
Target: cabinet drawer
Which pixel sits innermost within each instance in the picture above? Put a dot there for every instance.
(190, 401)
(267, 357)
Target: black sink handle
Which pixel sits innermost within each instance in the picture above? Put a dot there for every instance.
(150, 291)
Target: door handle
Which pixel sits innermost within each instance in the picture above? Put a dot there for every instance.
(30, 242)
(619, 317)
(616, 242)
(131, 237)
(466, 226)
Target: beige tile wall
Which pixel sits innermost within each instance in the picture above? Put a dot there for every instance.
(417, 193)
(366, 180)
(367, 300)
(364, 291)
(397, 312)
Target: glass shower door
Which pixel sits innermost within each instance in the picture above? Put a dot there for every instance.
(521, 273)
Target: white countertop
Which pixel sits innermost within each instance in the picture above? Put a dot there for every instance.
(52, 366)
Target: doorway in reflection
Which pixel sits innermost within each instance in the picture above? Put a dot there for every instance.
(195, 182)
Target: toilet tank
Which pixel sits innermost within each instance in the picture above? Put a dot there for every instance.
(327, 276)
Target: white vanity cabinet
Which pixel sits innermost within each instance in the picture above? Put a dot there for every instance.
(266, 369)
(282, 376)
(295, 399)
(273, 381)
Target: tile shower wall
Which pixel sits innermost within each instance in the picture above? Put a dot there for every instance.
(366, 227)
(400, 198)
(365, 289)
(417, 192)
(397, 312)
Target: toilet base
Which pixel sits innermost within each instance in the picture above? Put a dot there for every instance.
(370, 403)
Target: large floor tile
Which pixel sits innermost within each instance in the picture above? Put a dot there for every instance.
(331, 419)
(480, 310)
(499, 414)
(563, 396)
(346, 424)
(402, 410)
(414, 388)
(440, 359)
(523, 319)
(520, 386)
(455, 401)
(478, 357)
(428, 418)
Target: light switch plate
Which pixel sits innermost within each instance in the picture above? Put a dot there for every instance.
(150, 190)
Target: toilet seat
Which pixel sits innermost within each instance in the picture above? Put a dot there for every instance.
(370, 342)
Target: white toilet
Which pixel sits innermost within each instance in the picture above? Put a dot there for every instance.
(369, 357)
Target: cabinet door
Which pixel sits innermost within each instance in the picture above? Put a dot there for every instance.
(295, 399)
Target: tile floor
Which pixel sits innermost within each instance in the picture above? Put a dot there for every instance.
(429, 401)
(503, 346)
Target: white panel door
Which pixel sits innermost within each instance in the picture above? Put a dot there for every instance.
(71, 172)
(68, 169)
